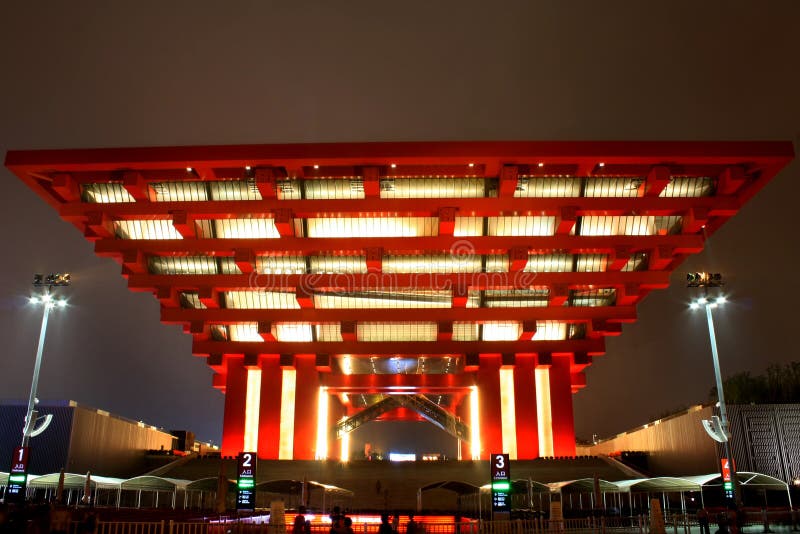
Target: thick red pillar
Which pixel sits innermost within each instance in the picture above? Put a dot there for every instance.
(491, 426)
(525, 407)
(561, 407)
(269, 412)
(235, 403)
(305, 407)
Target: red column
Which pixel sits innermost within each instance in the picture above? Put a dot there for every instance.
(462, 412)
(491, 427)
(305, 407)
(525, 407)
(561, 407)
(235, 399)
(269, 412)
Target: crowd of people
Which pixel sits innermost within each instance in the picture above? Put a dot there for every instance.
(342, 524)
(43, 518)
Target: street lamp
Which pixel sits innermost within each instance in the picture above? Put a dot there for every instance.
(717, 427)
(49, 302)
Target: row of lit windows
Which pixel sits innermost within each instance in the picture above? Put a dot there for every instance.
(404, 299)
(353, 188)
(379, 365)
(355, 227)
(400, 331)
(390, 264)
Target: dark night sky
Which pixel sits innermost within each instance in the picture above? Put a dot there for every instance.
(97, 74)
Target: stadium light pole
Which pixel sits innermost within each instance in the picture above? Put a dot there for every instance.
(722, 433)
(49, 302)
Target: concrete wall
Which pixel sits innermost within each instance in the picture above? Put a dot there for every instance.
(677, 445)
(111, 446)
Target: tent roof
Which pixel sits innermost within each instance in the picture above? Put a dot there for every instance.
(208, 484)
(295, 487)
(520, 485)
(658, 484)
(152, 483)
(746, 478)
(73, 481)
(696, 482)
(462, 488)
(582, 485)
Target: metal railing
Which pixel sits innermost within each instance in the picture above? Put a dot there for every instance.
(673, 523)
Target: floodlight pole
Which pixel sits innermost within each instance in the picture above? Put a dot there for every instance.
(29, 422)
(705, 280)
(52, 280)
(723, 412)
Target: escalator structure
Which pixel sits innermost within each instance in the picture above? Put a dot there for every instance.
(429, 410)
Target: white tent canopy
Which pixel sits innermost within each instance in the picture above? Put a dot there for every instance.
(74, 481)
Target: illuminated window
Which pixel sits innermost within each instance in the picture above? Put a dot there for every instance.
(433, 187)
(245, 228)
(549, 263)
(514, 298)
(629, 225)
(465, 331)
(590, 263)
(501, 331)
(530, 187)
(233, 190)
(244, 332)
(106, 193)
(292, 332)
(550, 330)
(178, 192)
(689, 186)
(397, 331)
(148, 229)
(468, 226)
(334, 188)
(338, 264)
(521, 226)
(191, 265)
(432, 263)
(383, 299)
(281, 264)
(373, 226)
(261, 300)
(612, 187)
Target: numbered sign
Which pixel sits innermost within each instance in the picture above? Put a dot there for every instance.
(727, 481)
(501, 483)
(246, 481)
(18, 475)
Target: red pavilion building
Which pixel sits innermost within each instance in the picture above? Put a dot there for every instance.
(468, 284)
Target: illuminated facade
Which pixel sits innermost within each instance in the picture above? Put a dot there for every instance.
(468, 284)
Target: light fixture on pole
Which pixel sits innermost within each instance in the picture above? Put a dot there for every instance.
(716, 427)
(49, 302)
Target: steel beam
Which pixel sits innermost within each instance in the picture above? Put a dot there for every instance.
(589, 346)
(684, 244)
(405, 207)
(348, 282)
(613, 314)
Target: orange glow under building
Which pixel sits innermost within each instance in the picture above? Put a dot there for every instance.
(468, 284)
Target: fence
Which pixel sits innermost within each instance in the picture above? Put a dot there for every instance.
(674, 524)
